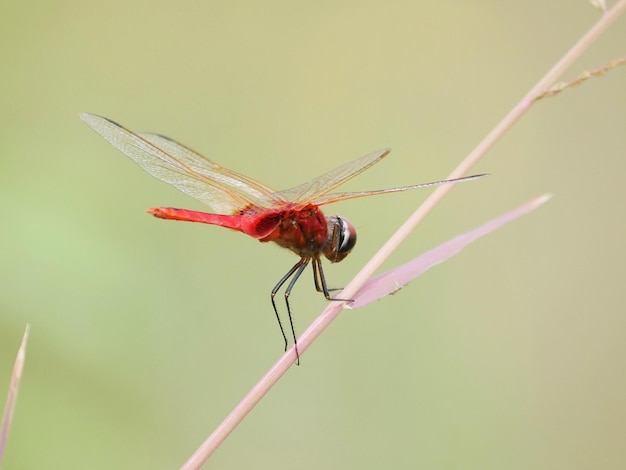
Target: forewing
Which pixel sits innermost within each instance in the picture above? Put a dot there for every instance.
(314, 190)
(336, 197)
(184, 169)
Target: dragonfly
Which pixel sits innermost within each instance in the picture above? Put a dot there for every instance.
(291, 218)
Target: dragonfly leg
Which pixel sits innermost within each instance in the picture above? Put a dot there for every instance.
(297, 270)
(318, 286)
(320, 281)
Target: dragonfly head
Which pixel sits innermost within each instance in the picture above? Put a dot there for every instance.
(341, 238)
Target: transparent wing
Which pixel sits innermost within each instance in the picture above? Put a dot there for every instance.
(336, 197)
(223, 190)
(317, 191)
(262, 193)
(313, 191)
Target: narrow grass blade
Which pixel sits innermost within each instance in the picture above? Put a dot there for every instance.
(9, 407)
(397, 278)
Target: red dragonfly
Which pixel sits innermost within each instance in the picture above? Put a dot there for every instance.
(291, 218)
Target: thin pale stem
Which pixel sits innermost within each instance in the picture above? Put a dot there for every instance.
(16, 377)
(333, 309)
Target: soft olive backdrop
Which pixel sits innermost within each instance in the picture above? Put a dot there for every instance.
(145, 333)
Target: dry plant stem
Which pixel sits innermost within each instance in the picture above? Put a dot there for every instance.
(583, 77)
(333, 309)
(513, 116)
(16, 376)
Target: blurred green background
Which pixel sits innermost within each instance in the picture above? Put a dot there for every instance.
(145, 333)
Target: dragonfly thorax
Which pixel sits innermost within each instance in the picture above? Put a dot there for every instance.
(341, 238)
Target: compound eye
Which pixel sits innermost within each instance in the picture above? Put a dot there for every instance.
(340, 240)
(347, 236)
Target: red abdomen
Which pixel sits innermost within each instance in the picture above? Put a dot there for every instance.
(302, 230)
